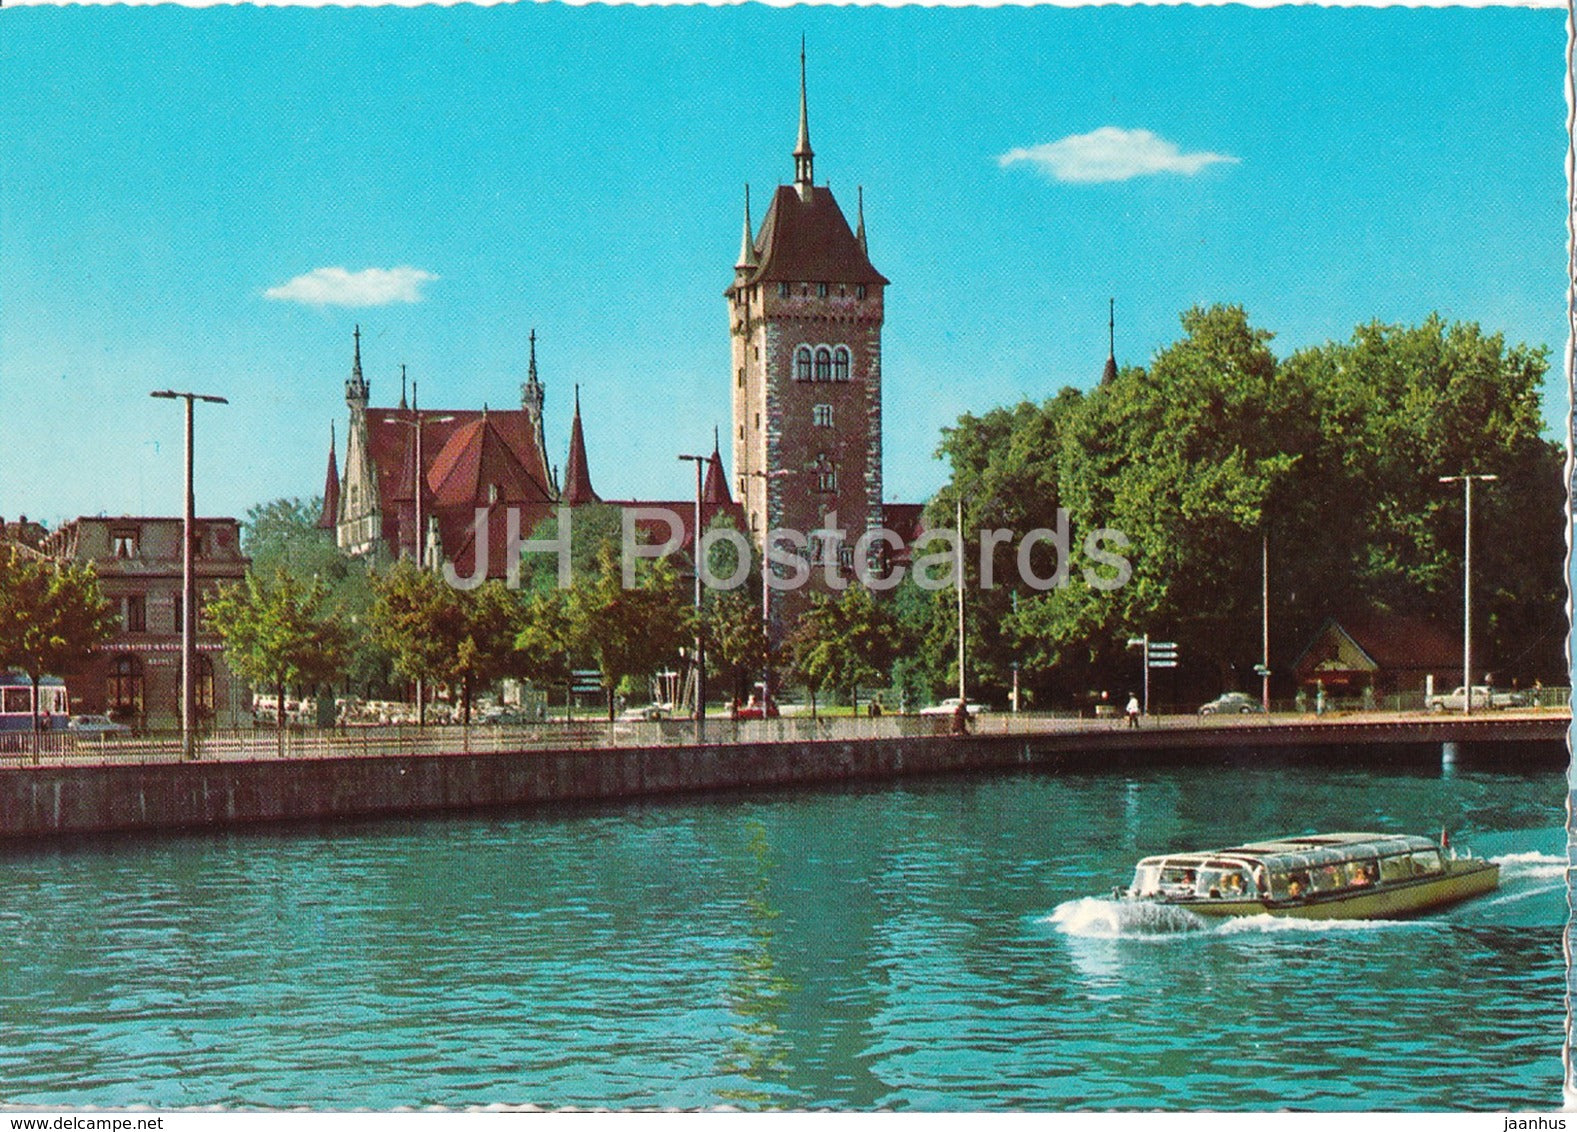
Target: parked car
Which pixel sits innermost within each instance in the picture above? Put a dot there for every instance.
(949, 706)
(1482, 696)
(95, 725)
(1232, 703)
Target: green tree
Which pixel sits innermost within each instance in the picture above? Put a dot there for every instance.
(439, 634)
(52, 616)
(847, 642)
(283, 533)
(629, 632)
(279, 635)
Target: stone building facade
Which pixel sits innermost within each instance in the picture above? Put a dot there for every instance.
(806, 310)
(136, 676)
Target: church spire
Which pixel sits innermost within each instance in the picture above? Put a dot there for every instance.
(577, 476)
(356, 387)
(403, 405)
(803, 155)
(747, 242)
(1110, 373)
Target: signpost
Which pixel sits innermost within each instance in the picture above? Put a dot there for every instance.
(1157, 654)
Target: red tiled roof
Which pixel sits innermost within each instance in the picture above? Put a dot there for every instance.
(1394, 642)
(504, 452)
(809, 242)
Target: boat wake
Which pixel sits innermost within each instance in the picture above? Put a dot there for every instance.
(1094, 917)
(1530, 866)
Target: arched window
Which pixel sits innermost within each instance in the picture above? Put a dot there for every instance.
(823, 364)
(124, 687)
(802, 364)
(840, 364)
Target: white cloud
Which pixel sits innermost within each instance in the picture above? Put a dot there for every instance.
(1110, 154)
(336, 287)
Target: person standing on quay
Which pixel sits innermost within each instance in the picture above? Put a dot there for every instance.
(1133, 710)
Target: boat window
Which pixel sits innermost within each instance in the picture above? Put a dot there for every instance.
(1147, 880)
(1362, 874)
(1395, 868)
(1427, 861)
(1226, 882)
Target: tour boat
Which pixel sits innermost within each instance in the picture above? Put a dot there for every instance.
(1332, 876)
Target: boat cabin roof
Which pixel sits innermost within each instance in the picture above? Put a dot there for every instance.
(1303, 852)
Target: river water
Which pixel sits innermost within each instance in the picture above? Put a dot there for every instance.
(936, 945)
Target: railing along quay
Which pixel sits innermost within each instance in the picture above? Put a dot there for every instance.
(261, 745)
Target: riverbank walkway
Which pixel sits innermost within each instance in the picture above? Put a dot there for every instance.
(582, 735)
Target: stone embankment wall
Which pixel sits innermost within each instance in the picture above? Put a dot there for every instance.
(41, 801)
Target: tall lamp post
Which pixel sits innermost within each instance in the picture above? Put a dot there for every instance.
(700, 463)
(1466, 480)
(766, 601)
(419, 536)
(188, 580)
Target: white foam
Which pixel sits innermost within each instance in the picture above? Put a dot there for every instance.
(1530, 865)
(1112, 919)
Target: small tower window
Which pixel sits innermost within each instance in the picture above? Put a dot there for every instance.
(741, 379)
(821, 415)
(826, 475)
(823, 364)
(840, 364)
(821, 290)
(783, 290)
(125, 542)
(802, 364)
(859, 291)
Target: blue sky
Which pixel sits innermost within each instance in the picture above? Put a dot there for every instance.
(178, 187)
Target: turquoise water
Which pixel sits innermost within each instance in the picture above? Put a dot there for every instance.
(931, 945)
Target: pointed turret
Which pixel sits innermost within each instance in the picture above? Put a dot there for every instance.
(403, 405)
(356, 387)
(715, 489)
(859, 231)
(1110, 373)
(577, 476)
(804, 157)
(329, 519)
(533, 396)
(747, 242)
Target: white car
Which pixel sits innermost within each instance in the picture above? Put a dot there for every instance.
(949, 706)
(1482, 697)
(95, 725)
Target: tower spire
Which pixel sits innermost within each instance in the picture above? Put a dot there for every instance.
(356, 385)
(1110, 373)
(859, 231)
(803, 155)
(403, 405)
(747, 242)
(577, 476)
(328, 518)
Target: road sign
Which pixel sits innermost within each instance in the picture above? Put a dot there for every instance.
(1163, 664)
(584, 680)
(1163, 654)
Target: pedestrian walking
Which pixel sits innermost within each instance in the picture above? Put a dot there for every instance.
(1133, 710)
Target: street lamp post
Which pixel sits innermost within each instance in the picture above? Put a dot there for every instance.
(766, 601)
(1466, 479)
(695, 554)
(418, 538)
(188, 580)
